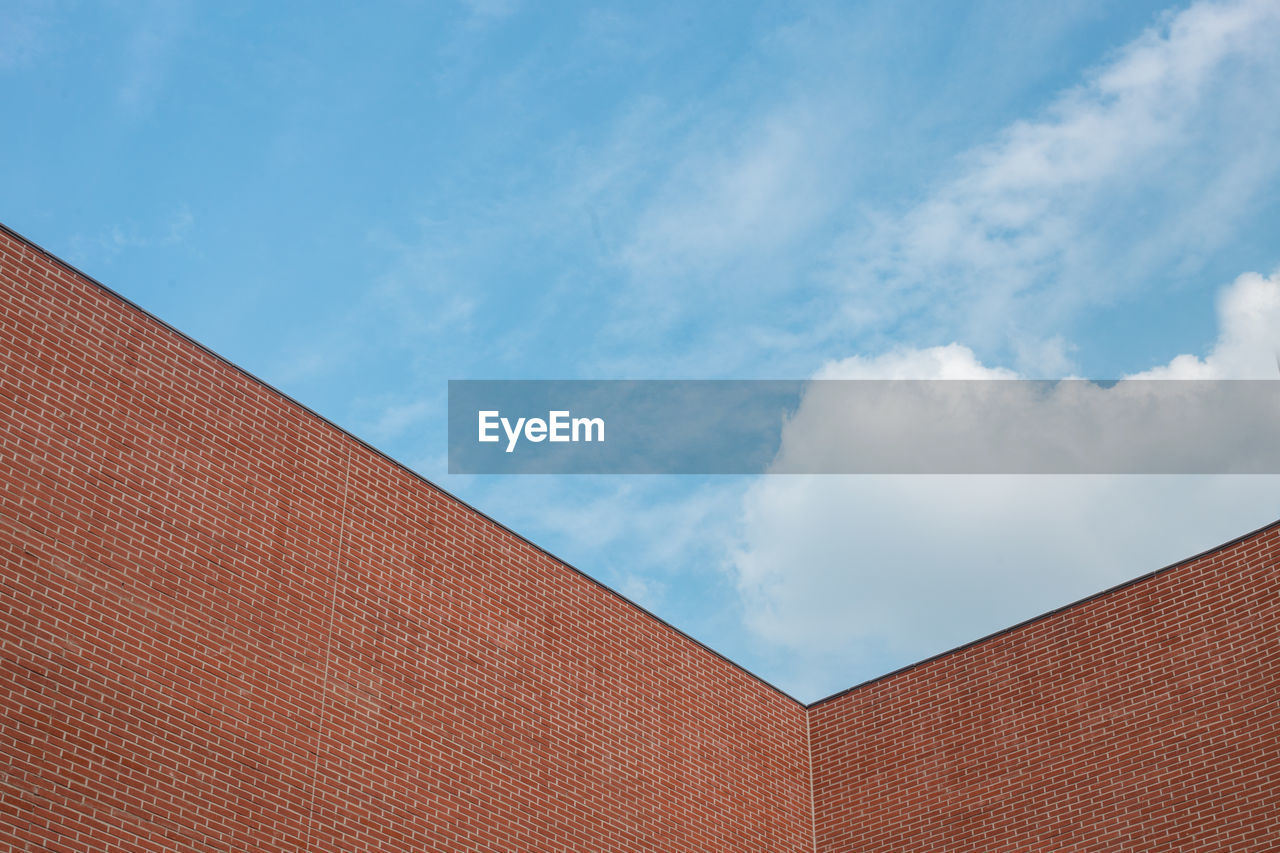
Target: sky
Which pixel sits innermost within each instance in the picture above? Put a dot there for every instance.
(357, 203)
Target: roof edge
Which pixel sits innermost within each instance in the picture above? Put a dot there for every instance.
(600, 584)
(348, 434)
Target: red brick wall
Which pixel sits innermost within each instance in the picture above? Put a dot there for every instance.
(226, 625)
(1146, 719)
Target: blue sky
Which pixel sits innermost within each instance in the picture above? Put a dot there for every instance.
(360, 203)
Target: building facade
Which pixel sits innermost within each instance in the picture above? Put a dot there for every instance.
(225, 624)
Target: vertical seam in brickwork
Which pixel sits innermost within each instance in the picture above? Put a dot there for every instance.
(813, 803)
(328, 647)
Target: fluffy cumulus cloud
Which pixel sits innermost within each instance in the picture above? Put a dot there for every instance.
(1142, 425)
(949, 362)
(861, 574)
(1248, 345)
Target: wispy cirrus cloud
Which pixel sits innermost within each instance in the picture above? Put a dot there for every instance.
(103, 247)
(772, 218)
(721, 206)
(1126, 182)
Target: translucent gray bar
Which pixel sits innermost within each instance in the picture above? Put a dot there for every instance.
(864, 427)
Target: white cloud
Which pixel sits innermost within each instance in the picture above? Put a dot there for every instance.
(175, 230)
(771, 223)
(720, 205)
(857, 576)
(1137, 173)
(948, 362)
(861, 574)
(1248, 345)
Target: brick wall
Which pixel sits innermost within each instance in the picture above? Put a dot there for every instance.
(226, 625)
(1145, 719)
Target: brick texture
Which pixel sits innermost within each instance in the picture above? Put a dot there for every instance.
(1145, 719)
(227, 625)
